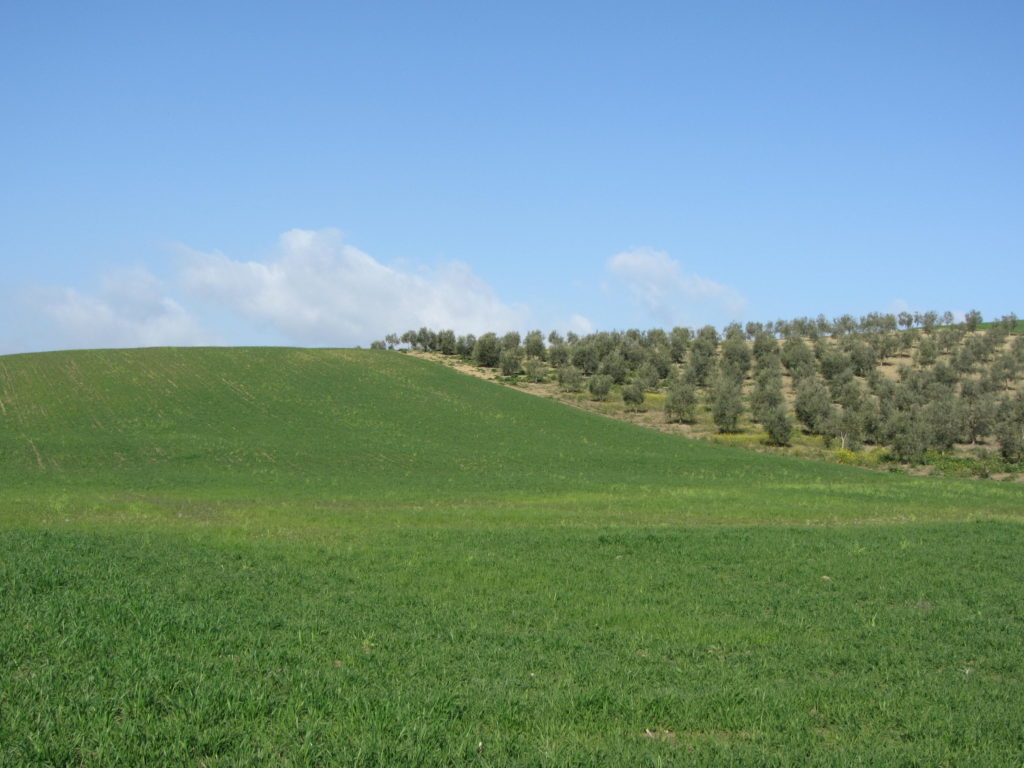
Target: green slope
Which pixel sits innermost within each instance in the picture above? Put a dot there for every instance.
(250, 557)
(368, 429)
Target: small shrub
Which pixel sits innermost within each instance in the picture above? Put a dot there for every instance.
(844, 456)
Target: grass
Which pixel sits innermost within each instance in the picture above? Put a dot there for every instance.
(295, 557)
(1017, 328)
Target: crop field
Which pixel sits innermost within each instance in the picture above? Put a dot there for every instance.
(231, 557)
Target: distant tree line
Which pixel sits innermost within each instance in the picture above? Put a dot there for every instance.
(911, 382)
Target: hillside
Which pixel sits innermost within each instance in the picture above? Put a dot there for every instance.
(878, 392)
(373, 428)
(255, 557)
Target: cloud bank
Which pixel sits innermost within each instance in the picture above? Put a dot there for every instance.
(312, 290)
(661, 286)
(130, 309)
(318, 290)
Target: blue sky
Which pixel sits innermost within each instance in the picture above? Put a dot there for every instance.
(324, 173)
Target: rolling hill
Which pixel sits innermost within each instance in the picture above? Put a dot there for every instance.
(372, 428)
(234, 557)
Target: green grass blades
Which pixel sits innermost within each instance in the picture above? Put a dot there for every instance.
(878, 645)
(174, 431)
(234, 557)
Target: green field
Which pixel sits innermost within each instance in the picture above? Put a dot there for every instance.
(221, 557)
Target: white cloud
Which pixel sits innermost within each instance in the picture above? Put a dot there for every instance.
(314, 289)
(317, 289)
(898, 305)
(580, 324)
(130, 310)
(667, 292)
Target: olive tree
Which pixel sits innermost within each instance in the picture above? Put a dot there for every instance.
(535, 369)
(1009, 428)
(678, 342)
(600, 385)
(847, 425)
(778, 426)
(702, 355)
(681, 400)
(464, 345)
(726, 400)
(558, 354)
(647, 377)
(426, 339)
(570, 379)
(813, 405)
(634, 395)
(511, 360)
(487, 351)
(586, 356)
(796, 354)
(909, 436)
(511, 339)
(735, 351)
(978, 411)
(446, 342)
(767, 394)
(614, 365)
(972, 320)
(534, 344)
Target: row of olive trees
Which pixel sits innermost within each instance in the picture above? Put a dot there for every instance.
(874, 322)
(929, 332)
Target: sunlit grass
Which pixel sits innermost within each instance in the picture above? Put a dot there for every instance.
(253, 557)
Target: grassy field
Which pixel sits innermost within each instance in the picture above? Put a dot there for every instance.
(221, 557)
